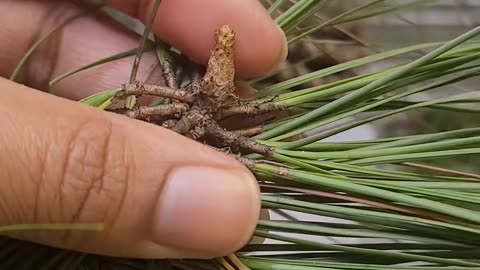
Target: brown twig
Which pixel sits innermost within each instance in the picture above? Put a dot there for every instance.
(139, 89)
(251, 109)
(148, 27)
(248, 132)
(145, 112)
(442, 170)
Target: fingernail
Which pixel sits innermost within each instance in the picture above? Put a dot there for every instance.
(244, 90)
(209, 210)
(284, 53)
(264, 215)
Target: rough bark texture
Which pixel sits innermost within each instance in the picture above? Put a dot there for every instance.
(196, 109)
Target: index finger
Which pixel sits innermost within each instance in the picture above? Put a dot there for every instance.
(189, 26)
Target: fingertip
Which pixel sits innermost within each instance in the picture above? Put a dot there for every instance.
(189, 25)
(223, 205)
(261, 50)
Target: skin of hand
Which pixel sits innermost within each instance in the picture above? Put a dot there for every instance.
(159, 195)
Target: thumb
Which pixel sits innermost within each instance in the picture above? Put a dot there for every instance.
(158, 194)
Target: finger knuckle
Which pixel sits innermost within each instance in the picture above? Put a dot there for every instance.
(95, 174)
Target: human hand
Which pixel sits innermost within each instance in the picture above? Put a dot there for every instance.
(160, 195)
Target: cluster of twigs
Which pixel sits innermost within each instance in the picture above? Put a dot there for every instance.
(197, 109)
